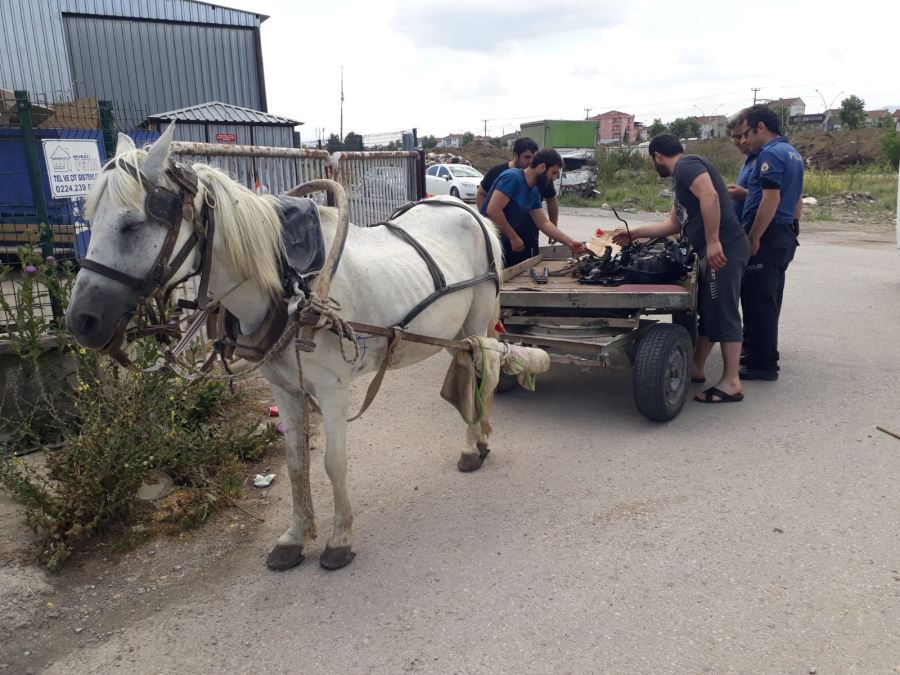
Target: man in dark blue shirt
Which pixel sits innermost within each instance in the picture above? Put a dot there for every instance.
(770, 219)
(514, 204)
(738, 192)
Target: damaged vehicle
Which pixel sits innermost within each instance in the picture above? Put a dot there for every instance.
(579, 174)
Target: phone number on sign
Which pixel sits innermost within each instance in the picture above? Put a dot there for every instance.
(69, 189)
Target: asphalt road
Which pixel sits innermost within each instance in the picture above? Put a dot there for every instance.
(755, 537)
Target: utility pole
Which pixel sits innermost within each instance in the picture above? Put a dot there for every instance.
(342, 103)
(755, 90)
(587, 113)
(485, 127)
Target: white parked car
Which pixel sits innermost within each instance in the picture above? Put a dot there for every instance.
(459, 180)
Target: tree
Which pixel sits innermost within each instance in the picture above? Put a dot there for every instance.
(334, 143)
(429, 142)
(685, 127)
(468, 137)
(657, 128)
(890, 146)
(784, 115)
(853, 112)
(353, 141)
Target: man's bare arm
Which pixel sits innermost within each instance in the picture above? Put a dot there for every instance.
(553, 210)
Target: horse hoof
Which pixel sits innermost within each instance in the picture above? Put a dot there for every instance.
(284, 557)
(469, 463)
(336, 558)
(483, 450)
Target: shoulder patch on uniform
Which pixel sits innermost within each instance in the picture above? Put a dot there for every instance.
(765, 166)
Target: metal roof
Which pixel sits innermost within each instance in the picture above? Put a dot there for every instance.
(216, 112)
(193, 11)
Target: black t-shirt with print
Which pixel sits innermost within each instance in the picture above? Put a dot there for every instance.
(687, 206)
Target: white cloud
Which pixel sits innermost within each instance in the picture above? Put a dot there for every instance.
(445, 66)
(481, 26)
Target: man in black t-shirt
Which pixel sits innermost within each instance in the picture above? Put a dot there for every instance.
(524, 150)
(703, 211)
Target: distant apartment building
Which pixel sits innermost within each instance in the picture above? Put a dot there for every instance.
(615, 127)
(713, 126)
(451, 141)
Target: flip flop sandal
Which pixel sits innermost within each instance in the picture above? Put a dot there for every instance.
(709, 394)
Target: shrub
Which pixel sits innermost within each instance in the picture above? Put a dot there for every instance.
(116, 428)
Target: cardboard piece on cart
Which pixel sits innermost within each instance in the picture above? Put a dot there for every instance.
(599, 243)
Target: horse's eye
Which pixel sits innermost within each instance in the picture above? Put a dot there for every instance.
(129, 224)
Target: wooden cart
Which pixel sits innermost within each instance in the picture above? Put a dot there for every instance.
(605, 327)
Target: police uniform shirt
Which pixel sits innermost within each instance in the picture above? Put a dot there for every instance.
(743, 180)
(778, 167)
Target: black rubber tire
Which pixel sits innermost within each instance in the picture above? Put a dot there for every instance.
(454, 192)
(662, 371)
(689, 321)
(506, 383)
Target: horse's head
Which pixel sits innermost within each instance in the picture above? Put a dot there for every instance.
(142, 239)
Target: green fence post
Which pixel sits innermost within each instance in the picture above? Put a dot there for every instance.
(23, 107)
(108, 125)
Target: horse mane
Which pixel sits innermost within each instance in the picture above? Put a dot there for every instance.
(249, 225)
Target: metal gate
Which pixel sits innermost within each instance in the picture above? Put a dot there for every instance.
(376, 182)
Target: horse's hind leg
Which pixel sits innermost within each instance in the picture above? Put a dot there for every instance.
(288, 550)
(476, 449)
(481, 321)
(334, 404)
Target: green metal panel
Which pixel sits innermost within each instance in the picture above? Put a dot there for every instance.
(562, 133)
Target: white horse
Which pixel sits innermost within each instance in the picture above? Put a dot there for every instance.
(379, 279)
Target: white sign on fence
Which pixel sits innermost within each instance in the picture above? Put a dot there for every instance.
(72, 166)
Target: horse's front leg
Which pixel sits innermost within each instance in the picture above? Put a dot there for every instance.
(294, 411)
(333, 401)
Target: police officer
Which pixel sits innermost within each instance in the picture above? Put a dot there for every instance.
(770, 219)
(737, 125)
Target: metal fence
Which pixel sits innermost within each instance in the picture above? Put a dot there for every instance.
(49, 155)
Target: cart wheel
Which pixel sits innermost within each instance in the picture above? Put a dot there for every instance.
(506, 383)
(662, 371)
(689, 321)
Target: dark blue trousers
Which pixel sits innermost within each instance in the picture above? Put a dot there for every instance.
(761, 295)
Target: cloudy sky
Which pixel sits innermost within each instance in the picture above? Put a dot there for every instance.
(444, 66)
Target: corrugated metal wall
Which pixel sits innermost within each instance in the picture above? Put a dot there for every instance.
(155, 67)
(157, 55)
(33, 48)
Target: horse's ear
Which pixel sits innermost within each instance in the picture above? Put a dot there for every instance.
(124, 144)
(158, 155)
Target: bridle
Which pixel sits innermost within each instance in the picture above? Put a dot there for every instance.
(166, 208)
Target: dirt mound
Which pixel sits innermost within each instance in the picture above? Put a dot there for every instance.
(479, 155)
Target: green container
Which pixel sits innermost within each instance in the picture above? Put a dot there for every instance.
(562, 133)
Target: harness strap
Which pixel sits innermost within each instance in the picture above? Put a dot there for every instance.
(441, 292)
(440, 283)
(375, 385)
(436, 275)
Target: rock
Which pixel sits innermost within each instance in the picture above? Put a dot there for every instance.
(604, 205)
(666, 194)
(79, 630)
(156, 487)
(811, 201)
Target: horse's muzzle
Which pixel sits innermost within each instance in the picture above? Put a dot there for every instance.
(95, 314)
